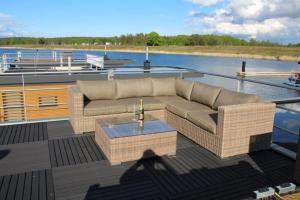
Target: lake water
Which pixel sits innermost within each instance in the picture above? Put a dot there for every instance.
(229, 66)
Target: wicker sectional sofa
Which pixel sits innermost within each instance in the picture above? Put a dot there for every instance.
(226, 123)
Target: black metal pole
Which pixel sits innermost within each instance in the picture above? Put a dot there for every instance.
(147, 62)
(244, 66)
(297, 167)
(147, 66)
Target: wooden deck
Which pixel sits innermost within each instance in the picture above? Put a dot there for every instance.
(47, 161)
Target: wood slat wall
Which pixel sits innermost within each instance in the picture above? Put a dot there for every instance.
(32, 96)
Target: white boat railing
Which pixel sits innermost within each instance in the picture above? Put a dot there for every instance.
(55, 60)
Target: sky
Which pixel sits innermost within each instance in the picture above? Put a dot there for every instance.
(274, 20)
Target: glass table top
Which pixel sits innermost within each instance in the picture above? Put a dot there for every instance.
(116, 127)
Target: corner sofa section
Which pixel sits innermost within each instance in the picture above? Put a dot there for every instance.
(225, 122)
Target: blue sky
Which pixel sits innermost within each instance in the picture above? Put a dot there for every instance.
(105, 18)
(261, 19)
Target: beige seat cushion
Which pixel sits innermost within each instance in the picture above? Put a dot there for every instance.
(184, 88)
(128, 88)
(97, 90)
(150, 103)
(163, 86)
(104, 107)
(228, 97)
(169, 99)
(205, 94)
(205, 120)
(182, 108)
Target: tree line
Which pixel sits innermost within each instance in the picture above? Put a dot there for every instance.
(140, 39)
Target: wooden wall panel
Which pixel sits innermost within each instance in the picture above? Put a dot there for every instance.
(34, 93)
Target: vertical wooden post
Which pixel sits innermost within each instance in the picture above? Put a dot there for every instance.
(297, 167)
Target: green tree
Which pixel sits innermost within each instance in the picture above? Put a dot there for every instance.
(153, 39)
(42, 41)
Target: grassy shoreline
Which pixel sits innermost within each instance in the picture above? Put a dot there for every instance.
(251, 52)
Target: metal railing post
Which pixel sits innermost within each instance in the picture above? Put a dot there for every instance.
(110, 74)
(55, 56)
(61, 61)
(4, 60)
(24, 97)
(69, 65)
(297, 167)
(238, 86)
(19, 55)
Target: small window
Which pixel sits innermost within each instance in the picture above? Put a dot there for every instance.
(48, 101)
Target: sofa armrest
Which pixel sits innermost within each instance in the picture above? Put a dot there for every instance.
(75, 102)
(235, 121)
(245, 128)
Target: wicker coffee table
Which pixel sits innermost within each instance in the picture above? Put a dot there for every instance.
(122, 139)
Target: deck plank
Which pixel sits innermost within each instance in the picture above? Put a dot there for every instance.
(5, 187)
(12, 188)
(30, 185)
(63, 152)
(89, 148)
(8, 132)
(42, 188)
(35, 185)
(23, 133)
(20, 186)
(27, 188)
(84, 149)
(74, 150)
(78, 150)
(69, 152)
(96, 149)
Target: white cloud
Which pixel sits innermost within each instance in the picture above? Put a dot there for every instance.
(277, 20)
(8, 26)
(265, 9)
(193, 13)
(205, 2)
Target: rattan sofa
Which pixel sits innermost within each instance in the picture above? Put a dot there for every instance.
(226, 123)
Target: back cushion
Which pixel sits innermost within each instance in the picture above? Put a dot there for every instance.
(228, 97)
(97, 90)
(163, 86)
(205, 94)
(134, 88)
(184, 88)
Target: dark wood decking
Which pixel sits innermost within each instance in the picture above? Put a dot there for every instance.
(47, 161)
